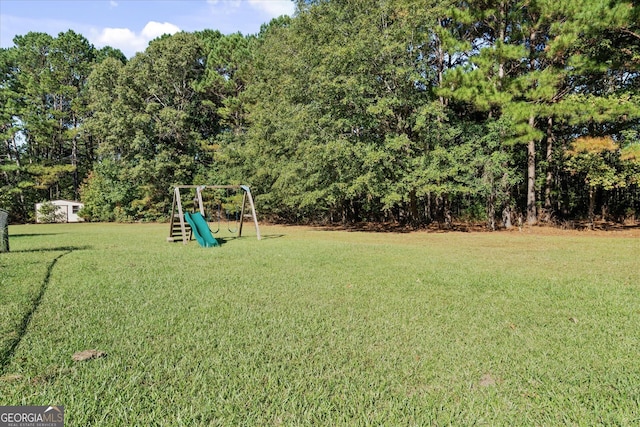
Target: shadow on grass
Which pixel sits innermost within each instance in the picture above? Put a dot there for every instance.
(223, 240)
(370, 227)
(7, 353)
(56, 249)
(599, 226)
(32, 235)
(466, 227)
(272, 236)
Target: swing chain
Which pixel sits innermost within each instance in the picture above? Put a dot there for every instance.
(228, 214)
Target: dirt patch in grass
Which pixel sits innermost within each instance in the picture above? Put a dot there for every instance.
(488, 380)
(600, 229)
(81, 356)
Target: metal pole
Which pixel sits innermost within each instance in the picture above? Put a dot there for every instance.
(4, 231)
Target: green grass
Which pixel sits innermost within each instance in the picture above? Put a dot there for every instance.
(315, 327)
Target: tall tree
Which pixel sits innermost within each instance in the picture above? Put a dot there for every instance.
(527, 62)
(344, 95)
(44, 108)
(154, 138)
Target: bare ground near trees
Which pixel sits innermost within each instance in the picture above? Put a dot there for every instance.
(566, 228)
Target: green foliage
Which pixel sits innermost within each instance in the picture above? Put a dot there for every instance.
(173, 102)
(44, 107)
(50, 213)
(407, 111)
(105, 192)
(354, 79)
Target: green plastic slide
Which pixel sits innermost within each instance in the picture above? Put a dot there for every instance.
(201, 230)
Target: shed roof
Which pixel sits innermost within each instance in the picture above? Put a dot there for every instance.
(73, 202)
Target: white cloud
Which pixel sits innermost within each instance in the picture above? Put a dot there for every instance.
(121, 38)
(274, 8)
(156, 29)
(113, 3)
(130, 42)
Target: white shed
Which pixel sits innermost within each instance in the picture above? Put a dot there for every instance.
(65, 211)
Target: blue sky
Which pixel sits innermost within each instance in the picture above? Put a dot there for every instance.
(129, 25)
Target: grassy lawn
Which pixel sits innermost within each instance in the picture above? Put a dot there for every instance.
(317, 327)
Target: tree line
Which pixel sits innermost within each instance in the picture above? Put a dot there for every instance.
(404, 111)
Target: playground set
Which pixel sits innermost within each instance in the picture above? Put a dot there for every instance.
(184, 224)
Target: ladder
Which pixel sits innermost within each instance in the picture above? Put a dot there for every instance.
(179, 229)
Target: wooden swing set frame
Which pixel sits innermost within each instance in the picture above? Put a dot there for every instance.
(177, 205)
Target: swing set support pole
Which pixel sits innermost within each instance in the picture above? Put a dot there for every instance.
(247, 194)
(177, 203)
(200, 204)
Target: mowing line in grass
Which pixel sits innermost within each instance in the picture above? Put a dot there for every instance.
(5, 357)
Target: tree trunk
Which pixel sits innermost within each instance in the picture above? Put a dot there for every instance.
(532, 216)
(491, 211)
(592, 206)
(548, 182)
(413, 208)
(531, 178)
(440, 67)
(15, 150)
(506, 218)
(501, 38)
(74, 162)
